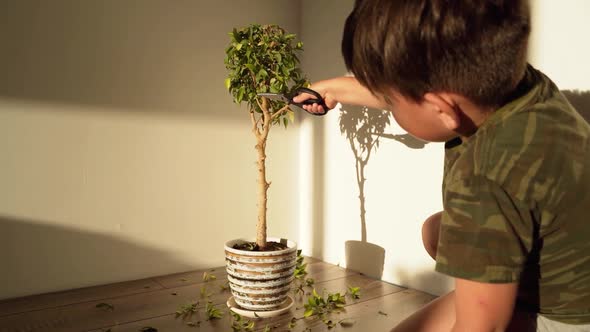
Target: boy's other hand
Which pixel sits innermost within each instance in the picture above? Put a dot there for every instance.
(315, 108)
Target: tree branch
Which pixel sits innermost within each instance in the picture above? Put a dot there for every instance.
(254, 124)
(278, 113)
(257, 102)
(253, 77)
(267, 118)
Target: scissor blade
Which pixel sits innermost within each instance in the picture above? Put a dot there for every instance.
(274, 96)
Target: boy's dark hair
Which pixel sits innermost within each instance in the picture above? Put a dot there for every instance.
(475, 48)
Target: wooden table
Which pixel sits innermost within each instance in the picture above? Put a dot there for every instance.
(152, 302)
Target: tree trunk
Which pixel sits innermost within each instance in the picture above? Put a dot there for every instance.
(262, 193)
(261, 133)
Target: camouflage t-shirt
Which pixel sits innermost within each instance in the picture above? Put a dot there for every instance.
(516, 198)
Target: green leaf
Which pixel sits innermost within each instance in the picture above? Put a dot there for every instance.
(186, 310)
(308, 313)
(348, 322)
(354, 292)
(148, 329)
(240, 95)
(204, 292)
(286, 70)
(250, 325)
(227, 83)
(262, 73)
(224, 287)
(212, 312)
(251, 67)
(208, 277)
(106, 306)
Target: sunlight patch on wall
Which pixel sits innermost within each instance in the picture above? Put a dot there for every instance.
(306, 195)
(558, 43)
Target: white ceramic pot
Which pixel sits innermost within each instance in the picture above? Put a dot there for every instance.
(260, 280)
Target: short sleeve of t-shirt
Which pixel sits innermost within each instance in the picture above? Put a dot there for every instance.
(485, 234)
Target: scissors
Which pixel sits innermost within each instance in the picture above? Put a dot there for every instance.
(289, 99)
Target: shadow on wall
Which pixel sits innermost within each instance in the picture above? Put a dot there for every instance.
(364, 128)
(580, 100)
(68, 258)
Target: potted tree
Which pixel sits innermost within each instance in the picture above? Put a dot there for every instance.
(262, 59)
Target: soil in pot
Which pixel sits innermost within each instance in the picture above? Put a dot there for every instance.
(252, 246)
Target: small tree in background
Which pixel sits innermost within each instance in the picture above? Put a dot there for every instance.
(260, 59)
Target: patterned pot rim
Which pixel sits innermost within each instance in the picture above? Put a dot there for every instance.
(261, 283)
(260, 277)
(291, 247)
(258, 306)
(252, 266)
(249, 290)
(269, 299)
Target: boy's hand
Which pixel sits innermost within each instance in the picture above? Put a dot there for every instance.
(344, 90)
(322, 89)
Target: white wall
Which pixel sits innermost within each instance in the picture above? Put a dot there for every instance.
(559, 42)
(122, 155)
(403, 184)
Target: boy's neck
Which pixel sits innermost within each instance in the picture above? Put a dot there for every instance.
(472, 116)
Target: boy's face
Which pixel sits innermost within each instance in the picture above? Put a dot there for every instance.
(420, 120)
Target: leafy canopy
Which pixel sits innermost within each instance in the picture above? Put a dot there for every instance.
(263, 58)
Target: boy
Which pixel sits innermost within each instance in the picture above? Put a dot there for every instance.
(514, 231)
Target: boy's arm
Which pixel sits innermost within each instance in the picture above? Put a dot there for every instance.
(483, 307)
(345, 90)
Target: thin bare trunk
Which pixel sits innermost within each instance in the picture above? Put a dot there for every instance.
(261, 133)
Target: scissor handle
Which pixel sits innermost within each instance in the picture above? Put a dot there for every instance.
(317, 100)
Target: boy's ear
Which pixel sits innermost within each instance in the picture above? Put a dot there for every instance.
(445, 108)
